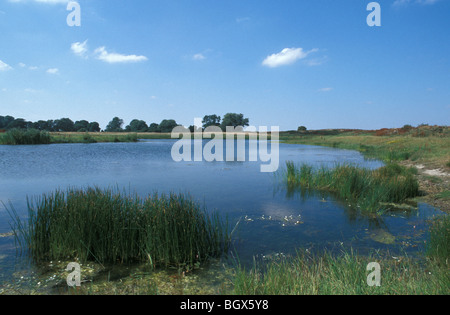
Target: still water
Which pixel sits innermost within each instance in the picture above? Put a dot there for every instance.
(271, 220)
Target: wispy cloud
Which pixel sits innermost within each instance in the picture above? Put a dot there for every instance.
(79, 48)
(198, 57)
(53, 71)
(104, 55)
(286, 57)
(4, 66)
(326, 89)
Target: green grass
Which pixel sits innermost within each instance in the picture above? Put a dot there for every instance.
(395, 148)
(78, 137)
(444, 195)
(342, 275)
(346, 274)
(108, 226)
(439, 244)
(25, 137)
(364, 188)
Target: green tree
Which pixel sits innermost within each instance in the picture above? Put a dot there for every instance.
(18, 123)
(81, 126)
(302, 129)
(167, 125)
(42, 125)
(137, 125)
(5, 121)
(234, 120)
(211, 120)
(64, 125)
(154, 127)
(94, 127)
(115, 125)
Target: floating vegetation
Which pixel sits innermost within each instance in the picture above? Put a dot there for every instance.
(108, 226)
(382, 236)
(286, 220)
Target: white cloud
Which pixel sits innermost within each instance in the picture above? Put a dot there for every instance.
(105, 56)
(79, 49)
(198, 57)
(326, 89)
(287, 56)
(53, 71)
(4, 66)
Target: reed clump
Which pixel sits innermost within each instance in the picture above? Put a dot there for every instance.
(108, 226)
(367, 189)
(25, 137)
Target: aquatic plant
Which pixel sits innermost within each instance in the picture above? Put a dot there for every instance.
(25, 137)
(367, 189)
(108, 226)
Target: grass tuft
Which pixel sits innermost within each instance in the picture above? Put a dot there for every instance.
(366, 189)
(25, 137)
(108, 226)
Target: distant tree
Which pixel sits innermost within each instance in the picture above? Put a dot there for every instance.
(302, 129)
(81, 126)
(50, 125)
(154, 128)
(64, 125)
(42, 125)
(234, 120)
(115, 125)
(167, 125)
(195, 129)
(5, 121)
(94, 127)
(137, 126)
(18, 123)
(211, 120)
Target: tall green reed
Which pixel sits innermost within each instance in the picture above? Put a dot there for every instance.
(109, 226)
(25, 137)
(367, 189)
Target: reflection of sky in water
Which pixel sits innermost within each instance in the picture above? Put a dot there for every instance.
(237, 189)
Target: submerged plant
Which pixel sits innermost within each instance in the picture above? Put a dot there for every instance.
(112, 227)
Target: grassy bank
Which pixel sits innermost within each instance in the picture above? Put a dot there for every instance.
(92, 137)
(108, 226)
(432, 149)
(368, 190)
(343, 275)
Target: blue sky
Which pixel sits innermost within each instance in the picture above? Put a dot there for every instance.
(280, 62)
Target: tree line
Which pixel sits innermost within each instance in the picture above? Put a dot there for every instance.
(117, 124)
(58, 125)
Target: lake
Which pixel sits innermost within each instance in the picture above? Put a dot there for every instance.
(272, 221)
